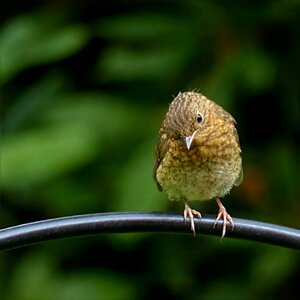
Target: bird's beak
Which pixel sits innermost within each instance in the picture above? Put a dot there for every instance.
(189, 140)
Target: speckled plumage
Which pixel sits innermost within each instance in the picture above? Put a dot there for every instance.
(211, 165)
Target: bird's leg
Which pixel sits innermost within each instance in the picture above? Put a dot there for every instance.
(223, 214)
(190, 213)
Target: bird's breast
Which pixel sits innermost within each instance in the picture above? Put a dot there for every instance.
(201, 173)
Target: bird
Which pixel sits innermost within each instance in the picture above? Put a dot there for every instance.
(198, 155)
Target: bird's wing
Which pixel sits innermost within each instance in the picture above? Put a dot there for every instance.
(160, 152)
(239, 180)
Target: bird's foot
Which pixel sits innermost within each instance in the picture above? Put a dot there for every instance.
(188, 212)
(225, 216)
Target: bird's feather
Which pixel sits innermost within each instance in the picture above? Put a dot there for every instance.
(160, 152)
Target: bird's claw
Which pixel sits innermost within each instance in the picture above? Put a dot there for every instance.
(225, 216)
(188, 212)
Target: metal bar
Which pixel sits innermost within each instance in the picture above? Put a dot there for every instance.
(121, 222)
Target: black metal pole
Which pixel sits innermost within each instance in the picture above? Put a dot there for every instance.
(91, 224)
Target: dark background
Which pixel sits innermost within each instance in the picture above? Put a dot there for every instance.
(85, 86)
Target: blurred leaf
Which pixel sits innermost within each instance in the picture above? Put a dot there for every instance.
(105, 113)
(126, 64)
(96, 285)
(137, 188)
(77, 133)
(36, 277)
(133, 57)
(247, 69)
(31, 101)
(224, 290)
(255, 68)
(39, 43)
(60, 44)
(285, 180)
(132, 28)
(40, 155)
(274, 264)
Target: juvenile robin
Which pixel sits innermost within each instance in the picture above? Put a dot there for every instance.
(198, 155)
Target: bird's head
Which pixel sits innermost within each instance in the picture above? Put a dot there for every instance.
(192, 116)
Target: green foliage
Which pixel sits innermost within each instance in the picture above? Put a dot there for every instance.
(84, 90)
(37, 272)
(36, 39)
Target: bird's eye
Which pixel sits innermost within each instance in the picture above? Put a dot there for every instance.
(199, 117)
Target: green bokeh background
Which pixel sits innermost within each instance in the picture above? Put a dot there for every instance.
(85, 86)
